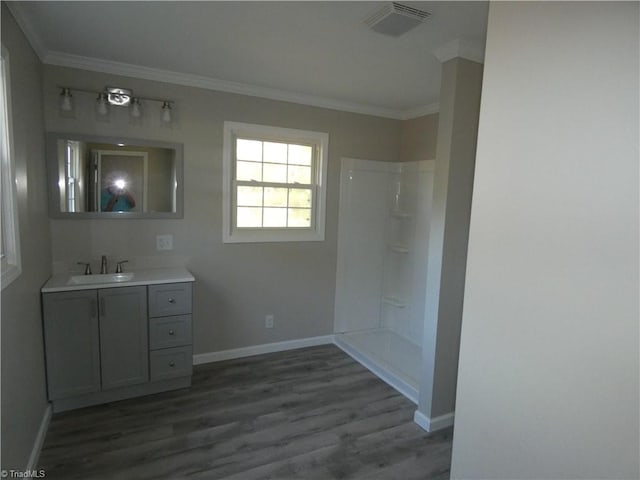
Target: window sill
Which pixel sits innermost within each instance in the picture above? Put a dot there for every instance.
(269, 237)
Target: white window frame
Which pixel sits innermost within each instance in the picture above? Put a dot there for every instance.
(232, 234)
(10, 261)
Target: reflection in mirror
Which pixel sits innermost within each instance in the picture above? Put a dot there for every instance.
(94, 177)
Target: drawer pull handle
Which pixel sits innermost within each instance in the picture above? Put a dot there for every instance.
(172, 300)
(171, 332)
(172, 364)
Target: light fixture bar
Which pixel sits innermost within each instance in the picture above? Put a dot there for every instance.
(106, 91)
(113, 96)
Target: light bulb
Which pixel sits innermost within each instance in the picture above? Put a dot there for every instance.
(136, 110)
(166, 112)
(101, 104)
(66, 100)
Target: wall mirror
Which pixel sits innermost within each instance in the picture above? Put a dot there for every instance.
(109, 177)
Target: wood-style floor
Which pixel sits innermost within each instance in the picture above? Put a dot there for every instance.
(311, 413)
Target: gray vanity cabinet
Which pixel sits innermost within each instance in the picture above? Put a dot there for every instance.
(107, 343)
(72, 339)
(123, 336)
(96, 340)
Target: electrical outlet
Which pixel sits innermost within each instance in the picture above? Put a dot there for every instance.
(268, 321)
(164, 242)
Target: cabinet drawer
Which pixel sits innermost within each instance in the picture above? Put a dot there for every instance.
(165, 332)
(169, 299)
(171, 363)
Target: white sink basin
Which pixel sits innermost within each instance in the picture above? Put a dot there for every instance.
(101, 278)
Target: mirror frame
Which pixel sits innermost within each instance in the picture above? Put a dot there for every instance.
(52, 176)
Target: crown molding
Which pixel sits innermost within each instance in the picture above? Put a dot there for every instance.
(129, 70)
(17, 10)
(421, 111)
(460, 49)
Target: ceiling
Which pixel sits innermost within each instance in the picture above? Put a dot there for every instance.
(316, 53)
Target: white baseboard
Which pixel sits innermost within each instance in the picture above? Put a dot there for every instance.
(39, 441)
(433, 424)
(201, 358)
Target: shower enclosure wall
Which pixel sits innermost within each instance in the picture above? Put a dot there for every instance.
(382, 262)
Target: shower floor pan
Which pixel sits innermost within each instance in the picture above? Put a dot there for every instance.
(391, 357)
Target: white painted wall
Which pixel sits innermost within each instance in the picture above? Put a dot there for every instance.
(548, 384)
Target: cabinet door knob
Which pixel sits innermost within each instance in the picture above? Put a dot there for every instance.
(172, 300)
(172, 364)
(171, 332)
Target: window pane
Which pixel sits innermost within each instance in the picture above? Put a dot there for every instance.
(249, 217)
(249, 150)
(275, 173)
(250, 196)
(249, 171)
(275, 152)
(299, 174)
(300, 197)
(300, 154)
(299, 217)
(275, 217)
(275, 197)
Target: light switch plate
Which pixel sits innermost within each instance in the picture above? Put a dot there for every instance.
(164, 242)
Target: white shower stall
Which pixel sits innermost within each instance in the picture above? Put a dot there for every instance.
(383, 236)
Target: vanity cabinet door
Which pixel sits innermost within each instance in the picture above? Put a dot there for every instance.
(123, 336)
(72, 343)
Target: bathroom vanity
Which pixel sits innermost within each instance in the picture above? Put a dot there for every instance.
(111, 337)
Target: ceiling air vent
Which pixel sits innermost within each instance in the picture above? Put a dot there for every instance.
(395, 19)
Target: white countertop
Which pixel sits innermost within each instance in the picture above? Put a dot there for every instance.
(152, 276)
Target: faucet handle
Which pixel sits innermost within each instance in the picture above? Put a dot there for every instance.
(119, 266)
(87, 267)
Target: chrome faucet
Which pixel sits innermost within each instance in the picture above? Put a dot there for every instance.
(103, 265)
(87, 267)
(119, 266)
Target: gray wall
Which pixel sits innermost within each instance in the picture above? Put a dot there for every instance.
(548, 384)
(448, 234)
(237, 284)
(418, 138)
(23, 381)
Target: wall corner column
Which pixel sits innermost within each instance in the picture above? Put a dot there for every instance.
(449, 233)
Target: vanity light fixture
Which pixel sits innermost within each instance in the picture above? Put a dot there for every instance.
(113, 96)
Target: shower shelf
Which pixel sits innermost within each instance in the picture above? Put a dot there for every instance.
(398, 248)
(401, 214)
(394, 302)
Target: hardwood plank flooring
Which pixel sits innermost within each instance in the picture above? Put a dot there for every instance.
(311, 413)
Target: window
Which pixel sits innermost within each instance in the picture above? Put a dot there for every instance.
(71, 174)
(9, 239)
(274, 184)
